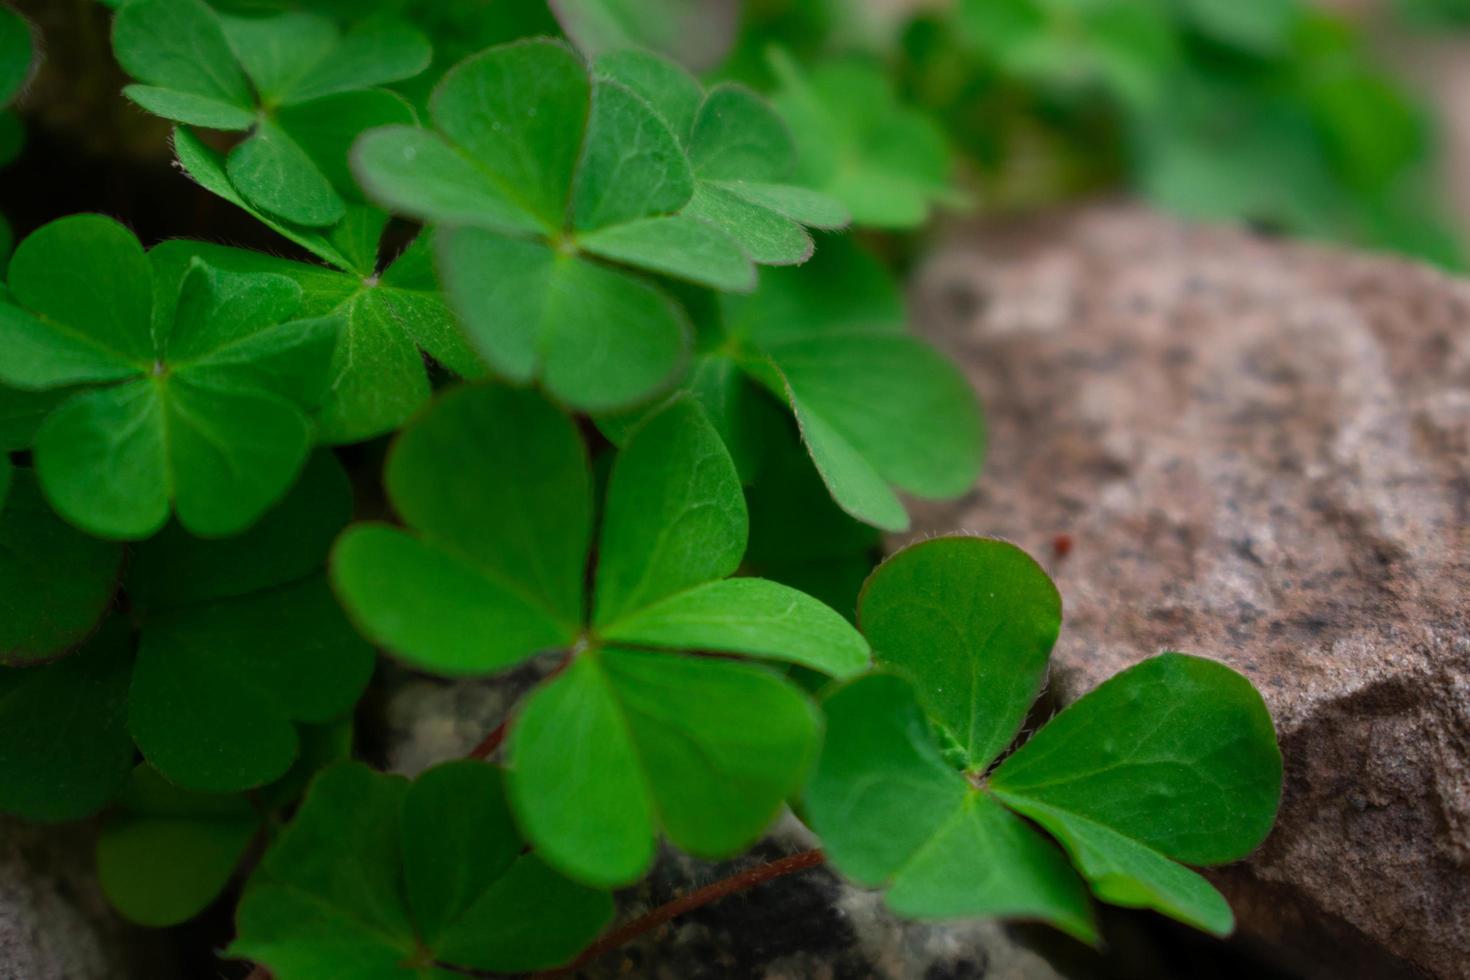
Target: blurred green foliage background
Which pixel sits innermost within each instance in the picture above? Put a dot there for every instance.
(1274, 112)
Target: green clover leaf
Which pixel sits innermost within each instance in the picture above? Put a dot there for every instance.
(741, 154)
(495, 487)
(302, 88)
(627, 741)
(55, 583)
(239, 652)
(242, 643)
(887, 163)
(164, 854)
(533, 172)
(1173, 760)
(203, 412)
(379, 878)
(378, 378)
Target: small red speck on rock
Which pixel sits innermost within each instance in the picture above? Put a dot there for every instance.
(1061, 545)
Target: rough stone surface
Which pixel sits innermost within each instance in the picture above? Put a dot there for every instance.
(54, 923)
(1258, 452)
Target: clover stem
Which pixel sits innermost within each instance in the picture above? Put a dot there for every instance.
(487, 745)
(734, 884)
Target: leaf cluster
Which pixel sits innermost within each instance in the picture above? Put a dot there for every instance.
(675, 413)
(1272, 112)
(634, 734)
(1171, 762)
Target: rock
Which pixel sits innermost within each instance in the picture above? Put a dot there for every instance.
(1258, 452)
(54, 922)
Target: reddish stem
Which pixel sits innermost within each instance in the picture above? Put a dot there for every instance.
(743, 881)
(491, 742)
(259, 973)
(488, 744)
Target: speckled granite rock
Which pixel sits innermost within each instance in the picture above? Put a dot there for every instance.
(54, 923)
(1258, 452)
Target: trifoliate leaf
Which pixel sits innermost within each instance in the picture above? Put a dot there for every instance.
(1173, 758)
(596, 338)
(740, 152)
(379, 879)
(886, 162)
(494, 486)
(166, 853)
(626, 742)
(533, 168)
(218, 686)
(302, 87)
(50, 774)
(210, 415)
(378, 378)
(15, 54)
(697, 33)
(289, 542)
(55, 583)
(972, 622)
(892, 813)
(495, 489)
(661, 535)
(750, 616)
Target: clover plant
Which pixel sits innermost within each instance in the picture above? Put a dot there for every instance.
(301, 87)
(191, 395)
(560, 362)
(1173, 760)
